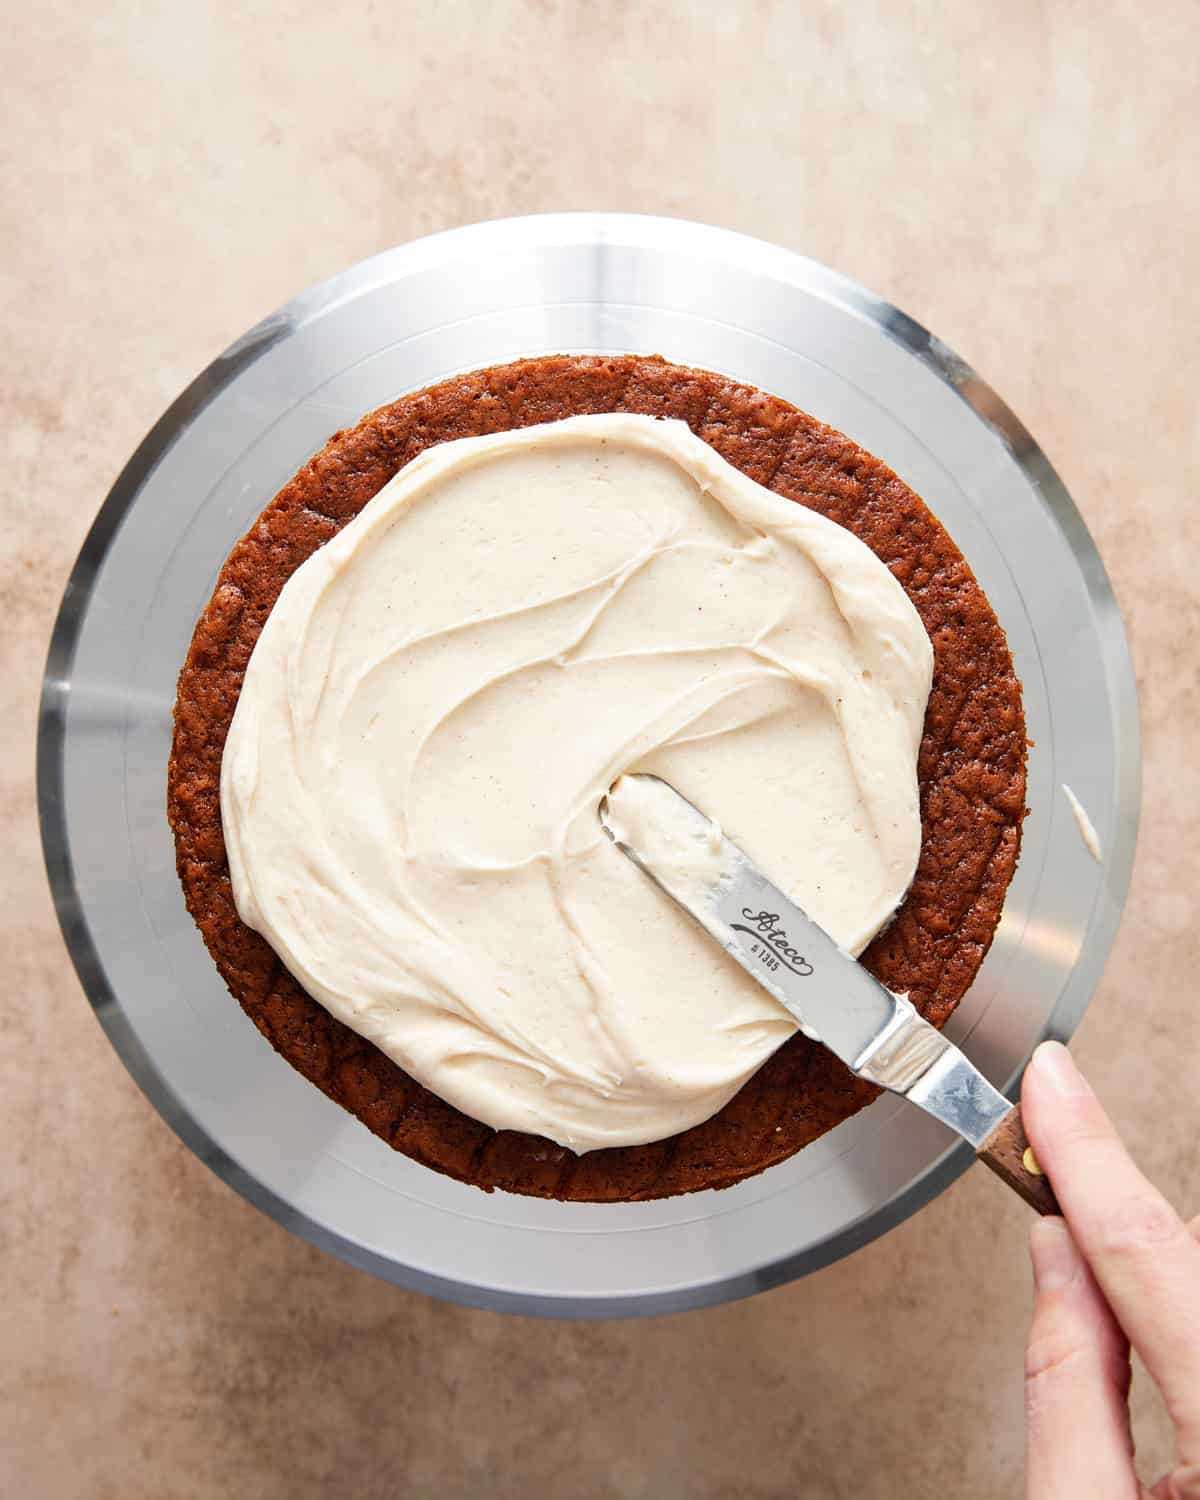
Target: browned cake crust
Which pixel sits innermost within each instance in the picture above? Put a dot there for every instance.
(972, 768)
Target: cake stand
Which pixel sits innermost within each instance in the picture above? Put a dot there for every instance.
(599, 283)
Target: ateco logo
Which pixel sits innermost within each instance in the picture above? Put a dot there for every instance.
(773, 940)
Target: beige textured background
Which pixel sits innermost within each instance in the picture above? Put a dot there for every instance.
(1022, 178)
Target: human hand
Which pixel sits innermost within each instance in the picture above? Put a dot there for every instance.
(1121, 1268)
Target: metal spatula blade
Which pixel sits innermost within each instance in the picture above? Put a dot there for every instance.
(877, 1034)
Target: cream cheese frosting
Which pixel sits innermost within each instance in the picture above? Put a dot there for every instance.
(685, 852)
(444, 693)
(1087, 829)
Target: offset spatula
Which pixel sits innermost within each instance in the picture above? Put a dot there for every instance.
(878, 1035)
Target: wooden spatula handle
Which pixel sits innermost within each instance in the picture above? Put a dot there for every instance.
(1008, 1152)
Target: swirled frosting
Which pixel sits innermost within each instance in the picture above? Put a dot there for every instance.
(444, 693)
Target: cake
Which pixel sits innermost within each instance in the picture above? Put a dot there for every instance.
(971, 768)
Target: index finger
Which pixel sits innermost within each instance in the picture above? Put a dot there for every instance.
(1142, 1254)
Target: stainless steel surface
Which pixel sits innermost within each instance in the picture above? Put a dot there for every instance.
(878, 1035)
(954, 1091)
(904, 1050)
(474, 296)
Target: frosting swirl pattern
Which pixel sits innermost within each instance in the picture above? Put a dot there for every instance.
(443, 694)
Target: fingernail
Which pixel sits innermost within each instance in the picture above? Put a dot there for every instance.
(1056, 1067)
(1056, 1261)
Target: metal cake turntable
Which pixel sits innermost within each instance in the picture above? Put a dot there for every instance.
(405, 319)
